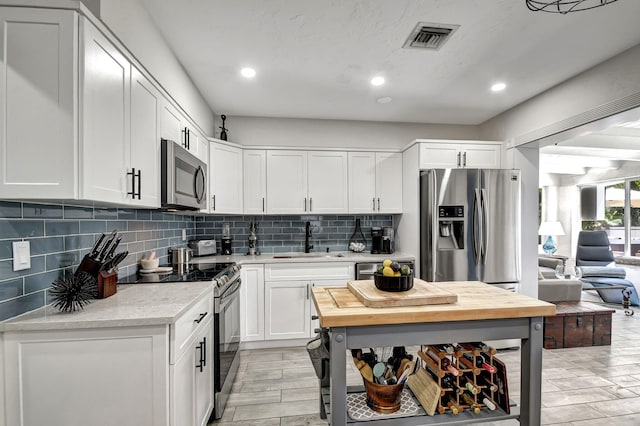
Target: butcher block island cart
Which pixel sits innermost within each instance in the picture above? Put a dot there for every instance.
(482, 312)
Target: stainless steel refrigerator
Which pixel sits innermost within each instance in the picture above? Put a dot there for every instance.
(470, 225)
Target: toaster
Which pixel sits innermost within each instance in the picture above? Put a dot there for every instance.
(203, 247)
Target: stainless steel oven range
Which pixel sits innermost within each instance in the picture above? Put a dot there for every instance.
(226, 324)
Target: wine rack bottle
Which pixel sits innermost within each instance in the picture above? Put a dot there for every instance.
(449, 382)
(468, 399)
(485, 381)
(480, 362)
(488, 402)
(447, 365)
(470, 385)
(452, 405)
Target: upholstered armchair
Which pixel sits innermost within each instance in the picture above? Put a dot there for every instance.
(594, 257)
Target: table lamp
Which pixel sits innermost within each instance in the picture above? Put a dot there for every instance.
(550, 229)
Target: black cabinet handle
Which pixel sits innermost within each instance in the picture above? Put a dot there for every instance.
(263, 204)
(199, 320)
(199, 365)
(184, 139)
(314, 317)
(214, 202)
(188, 139)
(464, 159)
(204, 351)
(132, 173)
(139, 184)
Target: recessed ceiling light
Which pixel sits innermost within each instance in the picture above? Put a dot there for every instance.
(377, 81)
(498, 87)
(248, 72)
(384, 100)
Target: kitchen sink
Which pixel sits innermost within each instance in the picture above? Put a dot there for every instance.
(307, 255)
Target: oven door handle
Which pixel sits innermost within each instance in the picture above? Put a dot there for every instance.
(228, 298)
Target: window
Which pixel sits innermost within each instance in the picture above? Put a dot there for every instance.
(618, 207)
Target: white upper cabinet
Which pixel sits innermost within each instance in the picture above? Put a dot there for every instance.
(362, 182)
(225, 178)
(254, 181)
(38, 112)
(306, 182)
(71, 97)
(143, 187)
(327, 182)
(388, 182)
(375, 182)
(170, 123)
(287, 182)
(460, 154)
(104, 116)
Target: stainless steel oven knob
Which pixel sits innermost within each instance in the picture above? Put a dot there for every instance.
(222, 281)
(235, 268)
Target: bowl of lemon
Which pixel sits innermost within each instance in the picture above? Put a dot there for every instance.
(393, 277)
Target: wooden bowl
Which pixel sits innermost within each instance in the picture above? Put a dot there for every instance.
(401, 283)
(383, 398)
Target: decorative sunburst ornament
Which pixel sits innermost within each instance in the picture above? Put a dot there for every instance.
(565, 6)
(70, 294)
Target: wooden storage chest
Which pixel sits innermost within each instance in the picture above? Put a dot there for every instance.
(578, 324)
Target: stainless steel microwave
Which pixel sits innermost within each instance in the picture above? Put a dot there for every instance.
(184, 178)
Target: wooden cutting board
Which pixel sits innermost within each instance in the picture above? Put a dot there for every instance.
(422, 293)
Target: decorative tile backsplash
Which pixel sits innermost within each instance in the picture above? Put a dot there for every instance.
(284, 234)
(60, 235)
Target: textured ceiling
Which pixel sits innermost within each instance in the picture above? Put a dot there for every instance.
(315, 58)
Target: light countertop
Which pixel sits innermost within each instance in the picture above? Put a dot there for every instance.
(331, 257)
(132, 305)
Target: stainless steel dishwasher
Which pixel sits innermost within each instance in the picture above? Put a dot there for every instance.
(365, 271)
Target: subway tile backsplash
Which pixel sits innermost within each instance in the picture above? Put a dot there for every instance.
(283, 234)
(60, 236)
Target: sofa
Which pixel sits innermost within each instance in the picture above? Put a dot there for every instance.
(552, 289)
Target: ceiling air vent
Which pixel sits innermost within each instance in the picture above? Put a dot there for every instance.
(429, 36)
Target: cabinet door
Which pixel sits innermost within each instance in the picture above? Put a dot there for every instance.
(203, 147)
(389, 182)
(170, 123)
(38, 114)
(362, 182)
(68, 377)
(440, 155)
(204, 377)
(254, 172)
(286, 310)
(105, 112)
(145, 142)
(287, 182)
(225, 176)
(327, 174)
(481, 156)
(252, 303)
(183, 374)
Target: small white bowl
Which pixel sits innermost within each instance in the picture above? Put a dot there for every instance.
(149, 263)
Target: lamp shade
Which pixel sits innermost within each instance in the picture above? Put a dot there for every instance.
(551, 228)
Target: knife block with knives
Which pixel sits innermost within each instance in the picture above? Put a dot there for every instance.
(101, 263)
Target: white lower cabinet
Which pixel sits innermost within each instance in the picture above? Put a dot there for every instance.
(159, 375)
(252, 303)
(192, 380)
(287, 296)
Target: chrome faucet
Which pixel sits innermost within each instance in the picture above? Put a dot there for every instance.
(307, 238)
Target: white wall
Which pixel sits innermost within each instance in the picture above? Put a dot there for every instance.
(526, 160)
(133, 26)
(337, 133)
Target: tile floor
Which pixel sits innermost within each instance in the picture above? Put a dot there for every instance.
(580, 386)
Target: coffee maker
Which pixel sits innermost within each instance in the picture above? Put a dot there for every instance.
(376, 240)
(225, 248)
(388, 240)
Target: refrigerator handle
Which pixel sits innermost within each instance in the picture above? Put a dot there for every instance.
(485, 233)
(434, 222)
(475, 231)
